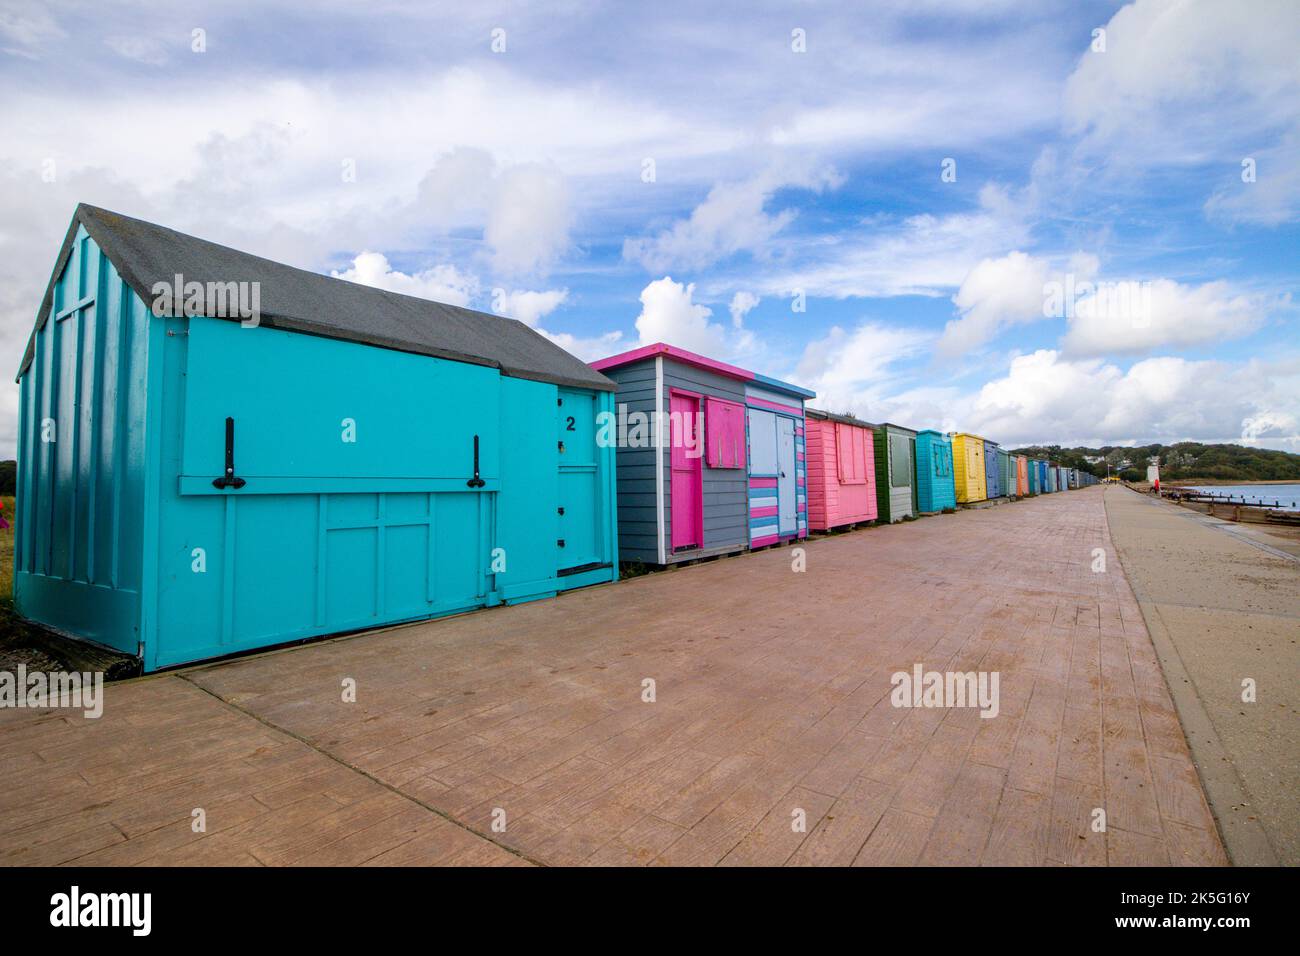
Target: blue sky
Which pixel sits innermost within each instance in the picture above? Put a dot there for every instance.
(797, 152)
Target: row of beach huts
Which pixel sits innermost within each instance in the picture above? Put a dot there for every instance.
(198, 478)
(772, 468)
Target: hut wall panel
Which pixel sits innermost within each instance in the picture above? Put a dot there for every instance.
(638, 516)
(79, 525)
(725, 489)
(311, 547)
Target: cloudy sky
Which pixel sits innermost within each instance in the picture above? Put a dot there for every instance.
(1060, 221)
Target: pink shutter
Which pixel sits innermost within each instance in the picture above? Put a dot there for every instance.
(851, 449)
(844, 452)
(724, 423)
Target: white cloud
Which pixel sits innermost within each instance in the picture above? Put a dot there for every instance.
(921, 255)
(1140, 316)
(27, 30)
(1048, 398)
(1162, 55)
(442, 283)
(854, 370)
(1104, 316)
(530, 307)
(996, 293)
(670, 314)
(1196, 81)
(742, 303)
(147, 50)
(1273, 198)
(587, 349)
(528, 222)
(455, 191)
(731, 219)
(527, 306)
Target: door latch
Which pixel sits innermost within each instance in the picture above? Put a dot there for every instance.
(229, 479)
(476, 481)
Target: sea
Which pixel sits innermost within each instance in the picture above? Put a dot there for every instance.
(1286, 496)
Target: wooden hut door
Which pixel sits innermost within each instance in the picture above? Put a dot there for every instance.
(785, 481)
(687, 492)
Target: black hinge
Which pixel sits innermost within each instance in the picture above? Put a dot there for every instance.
(559, 543)
(476, 481)
(229, 480)
(561, 444)
(560, 510)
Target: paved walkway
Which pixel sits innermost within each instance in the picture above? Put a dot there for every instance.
(772, 706)
(1223, 606)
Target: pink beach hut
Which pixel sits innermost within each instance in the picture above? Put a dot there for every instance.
(841, 471)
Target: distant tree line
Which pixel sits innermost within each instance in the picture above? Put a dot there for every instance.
(1186, 459)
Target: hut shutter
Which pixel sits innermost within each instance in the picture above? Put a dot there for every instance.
(724, 424)
(900, 462)
(851, 453)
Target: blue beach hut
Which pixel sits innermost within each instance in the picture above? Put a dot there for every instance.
(992, 470)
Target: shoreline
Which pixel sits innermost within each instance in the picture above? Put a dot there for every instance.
(1184, 482)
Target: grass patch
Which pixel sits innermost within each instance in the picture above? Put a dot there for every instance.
(633, 569)
(14, 631)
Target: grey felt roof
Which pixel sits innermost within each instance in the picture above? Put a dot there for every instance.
(300, 301)
(834, 417)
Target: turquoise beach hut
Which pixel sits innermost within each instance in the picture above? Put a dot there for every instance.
(333, 458)
(935, 490)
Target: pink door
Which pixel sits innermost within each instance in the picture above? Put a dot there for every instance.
(686, 503)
